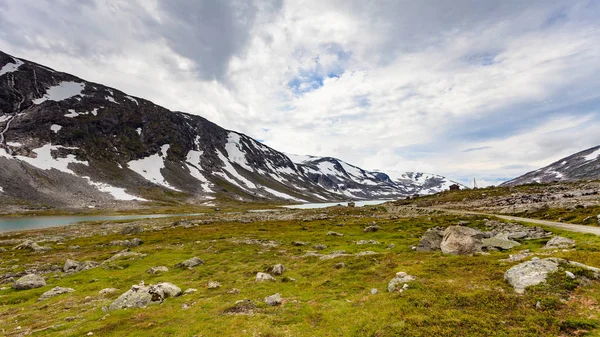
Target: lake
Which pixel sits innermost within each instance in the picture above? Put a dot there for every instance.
(329, 204)
(13, 224)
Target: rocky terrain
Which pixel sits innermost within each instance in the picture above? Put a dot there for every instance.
(377, 270)
(67, 142)
(584, 165)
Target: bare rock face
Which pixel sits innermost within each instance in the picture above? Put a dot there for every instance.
(460, 240)
(55, 292)
(529, 273)
(431, 240)
(29, 281)
(559, 242)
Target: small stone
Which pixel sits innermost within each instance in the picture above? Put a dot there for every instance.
(156, 270)
(339, 265)
(401, 278)
(234, 291)
(320, 246)
(191, 263)
(372, 228)
(107, 291)
(331, 233)
(391, 246)
(74, 247)
(273, 300)
(132, 229)
(260, 277)
(90, 333)
(213, 285)
(374, 291)
(300, 243)
(190, 291)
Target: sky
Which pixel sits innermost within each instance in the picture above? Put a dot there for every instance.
(464, 88)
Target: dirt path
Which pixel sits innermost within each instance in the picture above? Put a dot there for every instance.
(561, 225)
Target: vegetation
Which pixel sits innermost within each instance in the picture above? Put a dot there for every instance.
(452, 295)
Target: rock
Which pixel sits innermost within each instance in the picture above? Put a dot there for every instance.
(569, 274)
(331, 233)
(75, 266)
(522, 255)
(598, 217)
(300, 243)
(459, 240)
(190, 291)
(529, 273)
(278, 269)
(400, 278)
(76, 247)
(107, 291)
(500, 242)
(369, 242)
(431, 240)
(372, 228)
(242, 307)
(366, 252)
(32, 246)
(156, 270)
(55, 292)
(234, 291)
(559, 242)
(339, 265)
(126, 243)
(191, 263)
(132, 229)
(374, 291)
(29, 281)
(264, 277)
(319, 246)
(273, 300)
(334, 254)
(123, 254)
(164, 290)
(213, 285)
(136, 297)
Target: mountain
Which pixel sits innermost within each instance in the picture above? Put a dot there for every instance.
(584, 165)
(424, 183)
(67, 142)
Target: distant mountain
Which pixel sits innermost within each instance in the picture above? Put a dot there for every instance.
(67, 142)
(584, 165)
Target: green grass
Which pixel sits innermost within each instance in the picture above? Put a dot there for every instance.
(452, 296)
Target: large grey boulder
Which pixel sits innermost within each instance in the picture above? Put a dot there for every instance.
(529, 273)
(156, 270)
(278, 269)
(559, 242)
(164, 290)
(500, 242)
(260, 277)
(55, 292)
(29, 281)
(273, 300)
(140, 296)
(460, 240)
(32, 246)
(431, 240)
(399, 281)
(191, 263)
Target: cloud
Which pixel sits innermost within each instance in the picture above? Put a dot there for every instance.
(466, 89)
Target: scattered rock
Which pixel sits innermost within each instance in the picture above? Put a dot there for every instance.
(76, 247)
(499, 242)
(132, 229)
(569, 274)
(213, 285)
(391, 246)
(400, 278)
(372, 228)
(164, 290)
(75, 266)
(339, 265)
(366, 252)
(156, 270)
(522, 255)
(29, 281)
(320, 246)
(331, 233)
(529, 273)
(374, 291)
(55, 292)
(124, 254)
(191, 263)
(107, 291)
(459, 240)
(242, 307)
(278, 269)
(32, 246)
(234, 291)
(126, 243)
(431, 240)
(264, 277)
(515, 231)
(334, 254)
(559, 242)
(273, 300)
(140, 296)
(367, 242)
(190, 291)
(73, 318)
(300, 243)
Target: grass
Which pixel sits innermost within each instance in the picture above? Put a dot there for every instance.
(452, 296)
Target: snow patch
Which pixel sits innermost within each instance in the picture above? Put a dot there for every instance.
(55, 128)
(45, 161)
(234, 151)
(64, 90)
(132, 99)
(1, 189)
(117, 192)
(72, 113)
(4, 118)
(139, 131)
(11, 67)
(593, 155)
(14, 144)
(150, 167)
(111, 99)
(299, 159)
(229, 169)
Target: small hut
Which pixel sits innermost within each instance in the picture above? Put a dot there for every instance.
(454, 187)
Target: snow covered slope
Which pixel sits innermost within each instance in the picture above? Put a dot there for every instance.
(584, 165)
(65, 141)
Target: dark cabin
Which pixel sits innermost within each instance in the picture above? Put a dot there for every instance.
(454, 187)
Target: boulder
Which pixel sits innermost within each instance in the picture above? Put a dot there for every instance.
(278, 269)
(132, 229)
(499, 242)
(126, 243)
(400, 278)
(598, 217)
(156, 270)
(55, 292)
(273, 300)
(320, 246)
(140, 296)
(75, 266)
(431, 240)
(331, 233)
(367, 242)
(260, 277)
(107, 291)
(163, 290)
(124, 255)
(460, 240)
(529, 273)
(191, 263)
(241, 307)
(190, 291)
(32, 246)
(559, 242)
(372, 228)
(213, 285)
(29, 281)
(300, 243)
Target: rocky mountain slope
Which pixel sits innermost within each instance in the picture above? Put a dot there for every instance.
(65, 141)
(584, 165)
